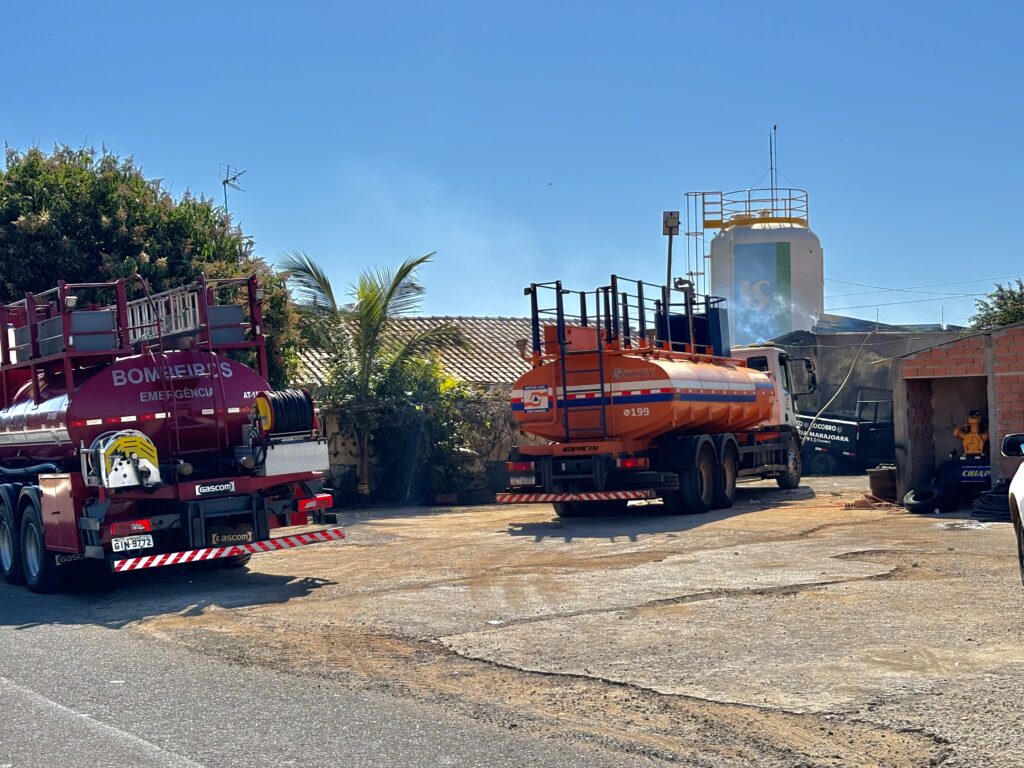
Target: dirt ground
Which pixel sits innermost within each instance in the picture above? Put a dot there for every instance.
(788, 631)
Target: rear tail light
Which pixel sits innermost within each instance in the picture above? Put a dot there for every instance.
(519, 466)
(130, 527)
(320, 501)
(633, 462)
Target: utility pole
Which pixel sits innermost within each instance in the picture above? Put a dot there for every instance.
(670, 228)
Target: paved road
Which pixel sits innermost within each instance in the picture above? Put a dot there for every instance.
(76, 692)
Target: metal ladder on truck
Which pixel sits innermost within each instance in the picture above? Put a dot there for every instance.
(185, 312)
(180, 312)
(585, 398)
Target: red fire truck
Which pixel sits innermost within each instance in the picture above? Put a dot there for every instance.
(138, 430)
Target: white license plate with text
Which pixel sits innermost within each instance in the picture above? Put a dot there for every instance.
(131, 542)
(522, 480)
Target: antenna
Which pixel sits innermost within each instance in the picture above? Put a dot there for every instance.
(773, 157)
(229, 178)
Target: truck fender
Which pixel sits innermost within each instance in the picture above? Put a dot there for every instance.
(681, 452)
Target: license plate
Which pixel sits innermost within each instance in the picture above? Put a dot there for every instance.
(522, 480)
(132, 542)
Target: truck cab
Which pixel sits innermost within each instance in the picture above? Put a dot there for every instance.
(784, 370)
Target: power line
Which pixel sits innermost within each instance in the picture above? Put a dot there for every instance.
(915, 289)
(953, 297)
(900, 340)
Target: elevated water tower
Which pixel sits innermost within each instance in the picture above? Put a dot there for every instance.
(764, 259)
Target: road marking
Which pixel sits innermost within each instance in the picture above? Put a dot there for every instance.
(164, 756)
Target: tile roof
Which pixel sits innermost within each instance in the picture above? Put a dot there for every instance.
(491, 356)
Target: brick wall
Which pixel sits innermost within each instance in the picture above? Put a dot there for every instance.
(919, 430)
(1008, 381)
(964, 358)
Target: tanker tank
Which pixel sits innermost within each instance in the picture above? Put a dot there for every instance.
(644, 398)
(134, 392)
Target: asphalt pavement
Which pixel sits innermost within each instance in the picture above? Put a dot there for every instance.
(74, 691)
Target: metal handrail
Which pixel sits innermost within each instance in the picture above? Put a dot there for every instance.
(629, 314)
(787, 204)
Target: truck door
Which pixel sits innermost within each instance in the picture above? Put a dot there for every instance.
(789, 406)
(769, 361)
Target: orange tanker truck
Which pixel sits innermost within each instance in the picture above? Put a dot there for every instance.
(634, 393)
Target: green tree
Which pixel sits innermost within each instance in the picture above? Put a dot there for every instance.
(1004, 306)
(373, 368)
(81, 216)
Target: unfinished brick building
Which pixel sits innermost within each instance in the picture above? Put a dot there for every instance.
(935, 389)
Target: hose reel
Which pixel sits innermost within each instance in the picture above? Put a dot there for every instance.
(125, 458)
(284, 412)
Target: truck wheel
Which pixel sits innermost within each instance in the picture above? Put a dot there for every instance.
(610, 507)
(724, 492)
(790, 478)
(238, 561)
(823, 464)
(567, 509)
(10, 548)
(696, 487)
(38, 565)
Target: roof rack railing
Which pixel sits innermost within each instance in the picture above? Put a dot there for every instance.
(97, 319)
(629, 314)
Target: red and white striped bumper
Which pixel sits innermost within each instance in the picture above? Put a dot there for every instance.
(214, 553)
(548, 498)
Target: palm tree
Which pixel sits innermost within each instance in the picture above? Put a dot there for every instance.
(370, 358)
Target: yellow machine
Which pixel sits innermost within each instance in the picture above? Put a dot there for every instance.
(123, 458)
(973, 435)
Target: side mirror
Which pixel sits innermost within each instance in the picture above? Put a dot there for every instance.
(1013, 446)
(810, 379)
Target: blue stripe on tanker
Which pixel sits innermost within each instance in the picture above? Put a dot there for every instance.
(657, 398)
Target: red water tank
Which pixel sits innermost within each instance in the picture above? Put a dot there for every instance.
(138, 392)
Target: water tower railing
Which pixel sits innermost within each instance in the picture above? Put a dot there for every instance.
(783, 205)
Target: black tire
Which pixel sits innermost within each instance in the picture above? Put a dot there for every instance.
(724, 491)
(1018, 528)
(790, 478)
(10, 547)
(823, 464)
(224, 563)
(589, 508)
(567, 509)
(925, 500)
(42, 574)
(610, 507)
(696, 486)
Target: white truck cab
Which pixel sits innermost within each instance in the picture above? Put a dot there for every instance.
(780, 368)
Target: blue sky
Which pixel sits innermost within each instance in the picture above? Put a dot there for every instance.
(532, 141)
